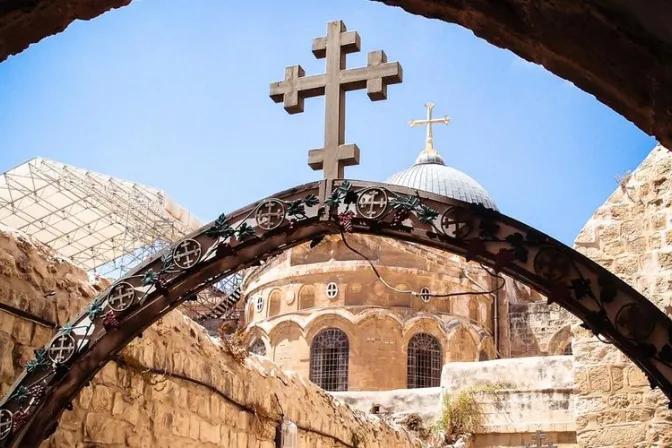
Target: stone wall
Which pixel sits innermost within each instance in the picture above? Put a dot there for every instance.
(537, 329)
(535, 394)
(175, 386)
(631, 235)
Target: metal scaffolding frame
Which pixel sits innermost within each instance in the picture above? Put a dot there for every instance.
(102, 224)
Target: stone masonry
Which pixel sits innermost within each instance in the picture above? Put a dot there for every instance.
(175, 386)
(631, 235)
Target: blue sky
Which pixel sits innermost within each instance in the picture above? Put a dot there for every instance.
(174, 94)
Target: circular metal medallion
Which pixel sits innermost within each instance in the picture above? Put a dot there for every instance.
(187, 253)
(634, 322)
(270, 214)
(5, 423)
(457, 222)
(121, 296)
(552, 264)
(372, 203)
(62, 348)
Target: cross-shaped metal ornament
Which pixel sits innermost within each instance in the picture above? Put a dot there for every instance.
(335, 155)
(372, 203)
(539, 438)
(429, 121)
(5, 423)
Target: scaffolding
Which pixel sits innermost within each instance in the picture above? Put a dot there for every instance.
(100, 223)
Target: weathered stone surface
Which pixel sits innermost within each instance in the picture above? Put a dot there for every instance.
(175, 386)
(633, 415)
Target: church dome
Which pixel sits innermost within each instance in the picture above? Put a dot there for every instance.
(431, 174)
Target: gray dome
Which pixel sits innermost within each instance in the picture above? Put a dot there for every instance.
(431, 174)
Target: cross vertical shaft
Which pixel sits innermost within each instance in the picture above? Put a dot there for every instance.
(335, 155)
(334, 104)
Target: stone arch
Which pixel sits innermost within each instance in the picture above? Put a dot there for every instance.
(462, 345)
(306, 297)
(560, 341)
(379, 313)
(486, 349)
(274, 302)
(282, 326)
(606, 304)
(330, 319)
(429, 324)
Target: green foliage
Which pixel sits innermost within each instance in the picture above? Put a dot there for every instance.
(462, 413)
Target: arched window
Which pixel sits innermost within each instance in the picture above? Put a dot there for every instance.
(483, 356)
(424, 361)
(568, 349)
(329, 360)
(274, 303)
(307, 297)
(258, 347)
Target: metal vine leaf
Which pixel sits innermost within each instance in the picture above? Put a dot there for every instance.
(608, 289)
(334, 200)
(426, 214)
(581, 287)
(39, 363)
(296, 208)
(245, 230)
(95, 309)
(311, 200)
(407, 202)
(20, 394)
(167, 260)
(149, 278)
(221, 228)
(517, 242)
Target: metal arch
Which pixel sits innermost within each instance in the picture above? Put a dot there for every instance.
(236, 242)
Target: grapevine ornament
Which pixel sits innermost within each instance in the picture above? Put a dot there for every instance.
(345, 220)
(110, 321)
(19, 419)
(401, 214)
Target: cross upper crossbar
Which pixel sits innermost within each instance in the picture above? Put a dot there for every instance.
(296, 87)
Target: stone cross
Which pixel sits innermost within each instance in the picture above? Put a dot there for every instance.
(335, 155)
(429, 142)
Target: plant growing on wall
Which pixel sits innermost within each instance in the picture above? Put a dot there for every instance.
(462, 412)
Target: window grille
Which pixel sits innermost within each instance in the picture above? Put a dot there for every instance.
(329, 354)
(424, 361)
(332, 290)
(424, 294)
(260, 304)
(258, 348)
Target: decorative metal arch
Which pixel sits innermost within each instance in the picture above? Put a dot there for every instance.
(607, 305)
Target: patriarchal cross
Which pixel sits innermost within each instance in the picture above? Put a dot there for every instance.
(335, 155)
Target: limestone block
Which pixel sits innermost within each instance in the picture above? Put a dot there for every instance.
(100, 428)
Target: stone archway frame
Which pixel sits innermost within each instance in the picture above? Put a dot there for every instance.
(606, 304)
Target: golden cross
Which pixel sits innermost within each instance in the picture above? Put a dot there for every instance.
(335, 155)
(429, 143)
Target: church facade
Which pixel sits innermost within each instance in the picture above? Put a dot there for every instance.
(366, 313)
